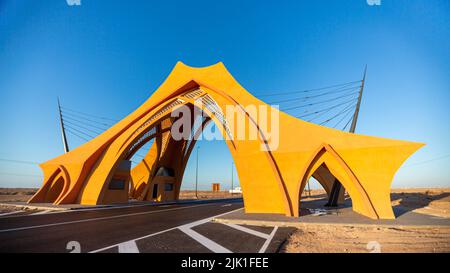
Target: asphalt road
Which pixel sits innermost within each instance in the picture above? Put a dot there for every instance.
(145, 228)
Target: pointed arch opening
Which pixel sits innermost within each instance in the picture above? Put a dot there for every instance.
(315, 196)
(203, 169)
(158, 175)
(151, 125)
(327, 167)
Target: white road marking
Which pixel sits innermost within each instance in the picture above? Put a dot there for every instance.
(31, 214)
(202, 221)
(250, 231)
(128, 247)
(267, 242)
(40, 212)
(11, 213)
(211, 245)
(196, 223)
(90, 209)
(101, 218)
(226, 205)
(140, 238)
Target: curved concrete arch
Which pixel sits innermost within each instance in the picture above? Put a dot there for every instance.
(325, 155)
(97, 171)
(56, 185)
(288, 209)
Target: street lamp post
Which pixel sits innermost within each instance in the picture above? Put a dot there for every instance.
(196, 176)
(232, 177)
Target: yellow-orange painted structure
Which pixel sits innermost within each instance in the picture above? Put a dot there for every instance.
(98, 172)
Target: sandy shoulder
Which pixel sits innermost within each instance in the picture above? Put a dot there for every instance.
(325, 239)
(331, 239)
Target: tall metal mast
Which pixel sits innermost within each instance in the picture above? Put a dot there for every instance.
(355, 115)
(63, 131)
(337, 186)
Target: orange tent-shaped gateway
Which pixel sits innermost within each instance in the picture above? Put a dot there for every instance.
(272, 180)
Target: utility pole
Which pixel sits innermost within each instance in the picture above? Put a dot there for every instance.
(232, 177)
(63, 131)
(336, 189)
(196, 176)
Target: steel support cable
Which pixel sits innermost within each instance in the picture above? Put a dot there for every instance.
(343, 117)
(317, 96)
(343, 112)
(322, 101)
(335, 116)
(312, 110)
(313, 97)
(427, 161)
(89, 115)
(19, 161)
(79, 131)
(319, 102)
(85, 128)
(321, 115)
(308, 90)
(318, 116)
(77, 135)
(308, 113)
(348, 122)
(84, 118)
(84, 123)
(17, 174)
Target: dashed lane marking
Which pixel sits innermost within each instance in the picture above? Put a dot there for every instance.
(128, 247)
(11, 213)
(40, 212)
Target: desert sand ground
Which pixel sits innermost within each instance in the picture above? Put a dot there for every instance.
(16, 195)
(324, 238)
(330, 239)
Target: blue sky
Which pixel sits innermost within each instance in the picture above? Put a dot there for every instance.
(107, 57)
